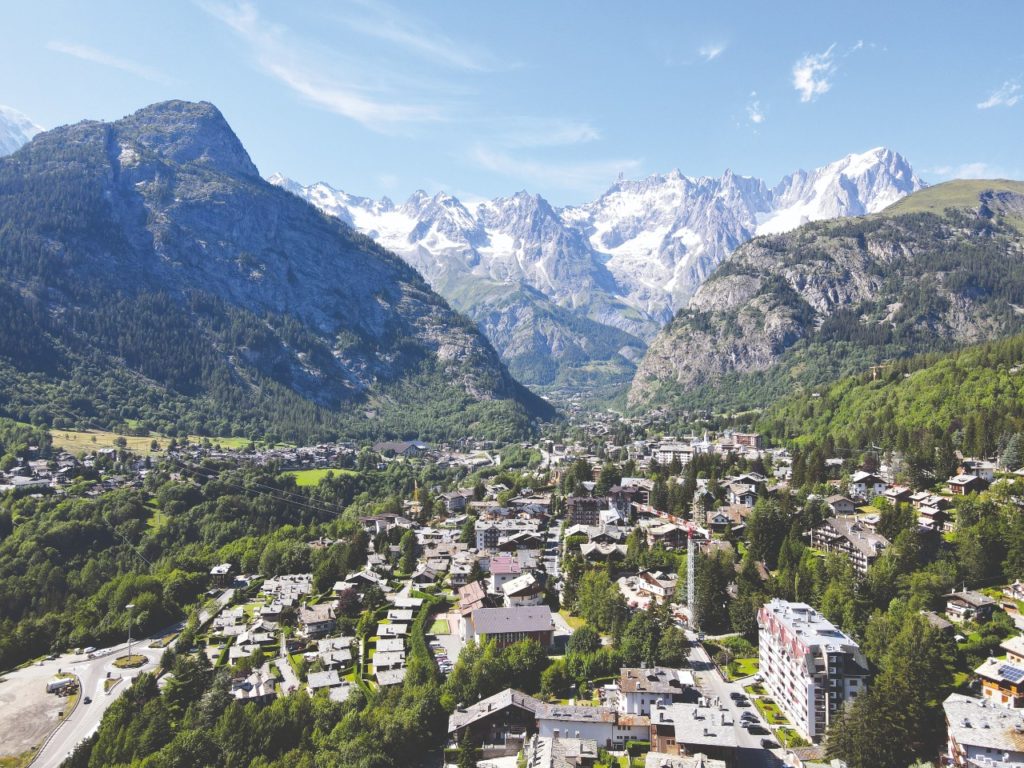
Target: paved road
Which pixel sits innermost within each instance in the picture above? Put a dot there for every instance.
(710, 682)
(86, 717)
(92, 672)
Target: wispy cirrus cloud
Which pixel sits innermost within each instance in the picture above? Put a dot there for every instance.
(584, 176)
(1006, 95)
(711, 51)
(96, 56)
(383, 21)
(335, 85)
(812, 74)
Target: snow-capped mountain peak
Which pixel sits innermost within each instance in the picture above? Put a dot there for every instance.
(851, 186)
(15, 130)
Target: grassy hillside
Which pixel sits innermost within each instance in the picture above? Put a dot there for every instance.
(960, 193)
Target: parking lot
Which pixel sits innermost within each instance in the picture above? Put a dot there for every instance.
(27, 711)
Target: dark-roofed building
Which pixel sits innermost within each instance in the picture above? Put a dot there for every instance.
(961, 485)
(581, 510)
(510, 625)
(501, 722)
(851, 538)
(317, 620)
(968, 604)
(840, 505)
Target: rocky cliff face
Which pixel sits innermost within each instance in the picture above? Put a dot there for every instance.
(829, 297)
(171, 205)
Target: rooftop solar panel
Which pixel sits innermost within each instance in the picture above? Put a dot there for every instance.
(1013, 674)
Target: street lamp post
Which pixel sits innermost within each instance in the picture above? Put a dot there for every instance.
(130, 607)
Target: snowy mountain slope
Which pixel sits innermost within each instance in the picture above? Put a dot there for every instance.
(629, 259)
(15, 130)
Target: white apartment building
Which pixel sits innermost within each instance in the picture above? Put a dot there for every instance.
(810, 667)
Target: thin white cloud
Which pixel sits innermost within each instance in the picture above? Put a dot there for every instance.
(318, 82)
(755, 114)
(583, 176)
(96, 56)
(1006, 95)
(975, 170)
(711, 51)
(811, 74)
(384, 22)
(544, 132)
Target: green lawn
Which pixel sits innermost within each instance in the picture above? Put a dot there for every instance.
(771, 711)
(741, 668)
(789, 738)
(157, 519)
(755, 690)
(130, 662)
(440, 627)
(312, 477)
(575, 622)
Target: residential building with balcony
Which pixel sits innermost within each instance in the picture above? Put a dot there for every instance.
(810, 667)
(851, 538)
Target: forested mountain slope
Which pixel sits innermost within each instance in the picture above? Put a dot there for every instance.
(149, 274)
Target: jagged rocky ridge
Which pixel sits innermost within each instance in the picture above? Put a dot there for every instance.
(151, 248)
(626, 261)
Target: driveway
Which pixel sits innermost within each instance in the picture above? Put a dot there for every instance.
(562, 632)
(451, 642)
(290, 681)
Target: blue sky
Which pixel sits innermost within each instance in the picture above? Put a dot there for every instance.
(484, 99)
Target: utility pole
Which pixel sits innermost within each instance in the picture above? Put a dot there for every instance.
(130, 607)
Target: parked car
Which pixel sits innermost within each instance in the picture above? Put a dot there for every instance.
(757, 729)
(736, 695)
(769, 744)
